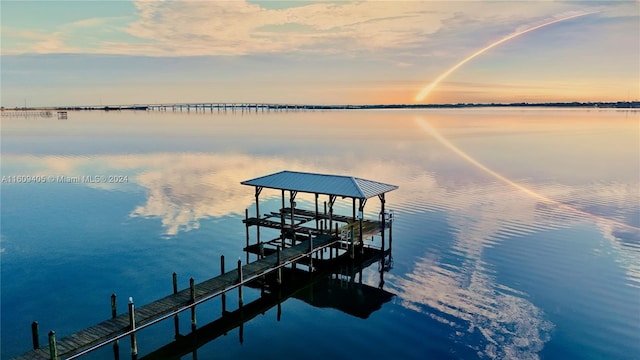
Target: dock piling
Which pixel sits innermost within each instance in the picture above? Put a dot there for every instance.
(176, 318)
(224, 294)
(279, 276)
(53, 348)
(310, 251)
(174, 276)
(114, 308)
(192, 292)
(35, 335)
(240, 282)
(246, 217)
(114, 313)
(132, 326)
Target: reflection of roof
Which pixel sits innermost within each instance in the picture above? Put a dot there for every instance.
(346, 186)
(358, 300)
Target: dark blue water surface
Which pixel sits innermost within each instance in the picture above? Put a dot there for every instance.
(516, 234)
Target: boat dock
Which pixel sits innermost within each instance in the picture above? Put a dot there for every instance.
(305, 237)
(121, 325)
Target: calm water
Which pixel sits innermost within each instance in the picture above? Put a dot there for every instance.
(516, 234)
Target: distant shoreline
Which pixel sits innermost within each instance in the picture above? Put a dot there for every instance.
(197, 106)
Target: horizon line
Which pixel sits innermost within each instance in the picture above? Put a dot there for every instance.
(273, 105)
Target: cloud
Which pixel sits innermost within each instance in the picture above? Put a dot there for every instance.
(195, 28)
(238, 27)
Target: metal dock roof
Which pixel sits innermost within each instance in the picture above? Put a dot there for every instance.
(339, 185)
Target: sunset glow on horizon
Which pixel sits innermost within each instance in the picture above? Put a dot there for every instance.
(318, 52)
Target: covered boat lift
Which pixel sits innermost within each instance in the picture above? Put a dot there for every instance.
(293, 222)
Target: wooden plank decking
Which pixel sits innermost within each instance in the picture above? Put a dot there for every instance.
(112, 328)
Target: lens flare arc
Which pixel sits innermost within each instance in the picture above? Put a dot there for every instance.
(426, 90)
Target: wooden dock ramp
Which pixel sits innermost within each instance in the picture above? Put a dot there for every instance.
(119, 327)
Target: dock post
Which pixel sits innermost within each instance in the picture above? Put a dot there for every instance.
(175, 283)
(282, 234)
(258, 191)
(132, 327)
(384, 225)
(53, 348)
(246, 218)
(310, 251)
(352, 246)
(224, 294)
(292, 204)
(114, 313)
(390, 228)
(176, 319)
(317, 218)
(240, 282)
(324, 219)
(192, 288)
(114, 309)
(337, 235)
(35, 335)
(279, 277)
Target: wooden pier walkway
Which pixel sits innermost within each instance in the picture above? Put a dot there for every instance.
(119, 327)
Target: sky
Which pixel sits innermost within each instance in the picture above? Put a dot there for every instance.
(316, 52)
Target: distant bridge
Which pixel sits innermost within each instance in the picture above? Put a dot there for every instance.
(220, 107)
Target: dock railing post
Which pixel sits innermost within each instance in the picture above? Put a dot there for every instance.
(53, 348)
(224, 294)
(240, 282)
(35, 335)
(192, 292)
(132, 327)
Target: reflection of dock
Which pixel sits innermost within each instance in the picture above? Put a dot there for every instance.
(304, 240)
